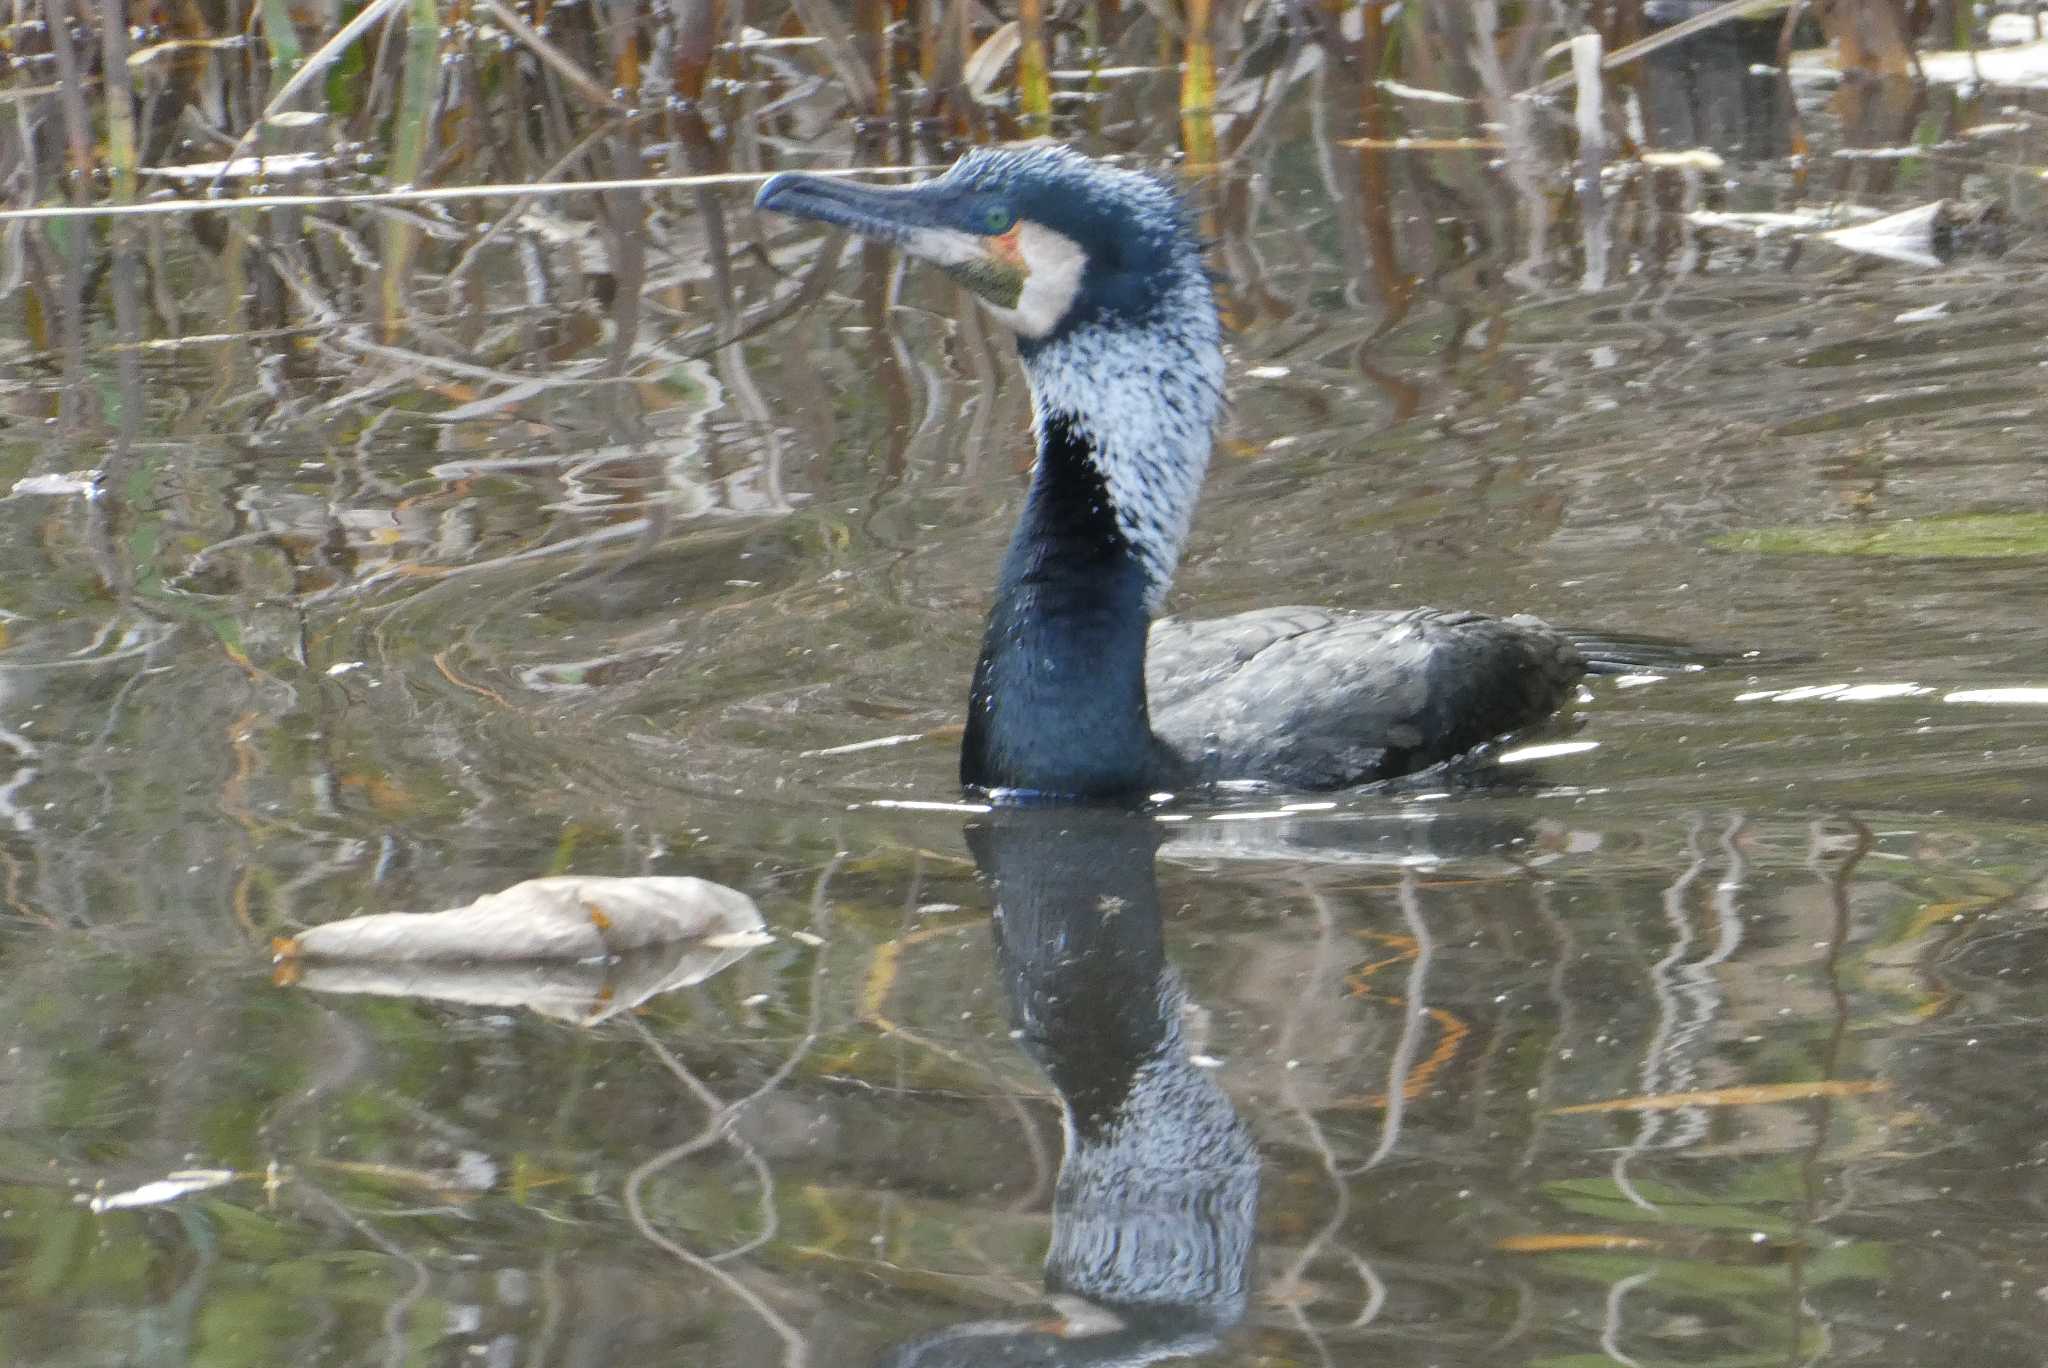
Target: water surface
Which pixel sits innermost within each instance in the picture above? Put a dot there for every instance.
(356, 623)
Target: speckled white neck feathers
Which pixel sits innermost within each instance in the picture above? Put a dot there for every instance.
(1145, 397)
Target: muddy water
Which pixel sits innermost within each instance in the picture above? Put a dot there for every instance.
(333, 640)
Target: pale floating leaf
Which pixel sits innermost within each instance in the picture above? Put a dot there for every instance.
(582, 993)
(579, 948)
(569, 917)
(166, 1189)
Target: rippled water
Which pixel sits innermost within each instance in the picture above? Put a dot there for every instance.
(318, 651)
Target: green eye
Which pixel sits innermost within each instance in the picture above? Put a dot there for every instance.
(996, 219)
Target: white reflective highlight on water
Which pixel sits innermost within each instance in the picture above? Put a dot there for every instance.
(873, 743)
(2030, 693)
(1522, 755)
(1845, 693)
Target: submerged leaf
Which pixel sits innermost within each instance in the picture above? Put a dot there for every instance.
(1552, 1244)
(1956, 536)
(1752, 1094)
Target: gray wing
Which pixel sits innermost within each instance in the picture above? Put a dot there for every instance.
(1314, 698)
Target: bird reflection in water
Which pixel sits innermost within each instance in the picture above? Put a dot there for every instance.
(1157, 1193)
(1720, 88)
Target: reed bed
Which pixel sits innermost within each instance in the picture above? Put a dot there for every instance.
(523, 99)
(470, 206)
(226, 100)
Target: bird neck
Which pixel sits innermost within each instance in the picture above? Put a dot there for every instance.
(1058, 705)
(1124, 418)
(1156, 1199)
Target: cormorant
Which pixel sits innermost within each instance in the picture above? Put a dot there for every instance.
(1156, 1203)
(1078, 692)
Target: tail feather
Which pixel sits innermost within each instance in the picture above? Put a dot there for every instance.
(1615, 653)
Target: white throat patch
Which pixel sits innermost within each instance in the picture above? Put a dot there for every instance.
(1053, 264)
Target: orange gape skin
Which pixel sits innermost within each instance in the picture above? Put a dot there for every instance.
(1005, 248)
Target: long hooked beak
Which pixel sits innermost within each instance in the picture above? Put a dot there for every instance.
(910, 218)
(891, 213)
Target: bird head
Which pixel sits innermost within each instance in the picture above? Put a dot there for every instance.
(1049, 240)
(1099, 273)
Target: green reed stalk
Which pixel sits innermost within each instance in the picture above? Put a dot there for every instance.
(283, 42)
(1198, 90)
(411, 132)
(1034, 81)
(121, 148)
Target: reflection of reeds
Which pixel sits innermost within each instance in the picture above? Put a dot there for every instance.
(410, 132)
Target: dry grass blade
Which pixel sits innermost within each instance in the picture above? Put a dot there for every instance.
(36, 92)
(822, 20)
(149, 54)
(1748, 1095)
(1663, 38)
(314, 67)
(437, 194)
(1424, 144)
(1555, 1244)
(578, 79)
(990, 60)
